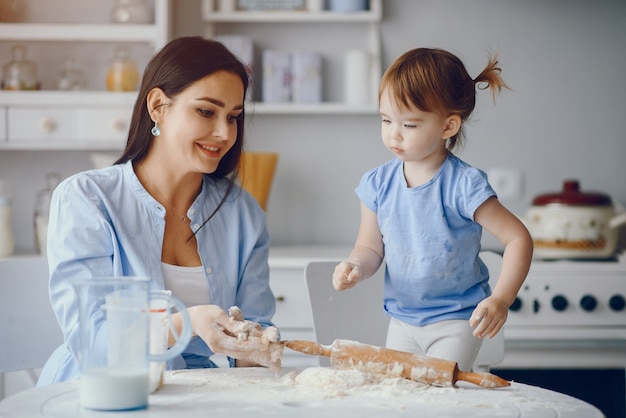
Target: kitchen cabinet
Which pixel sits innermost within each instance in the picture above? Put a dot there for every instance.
(300, 30)
(51, 119)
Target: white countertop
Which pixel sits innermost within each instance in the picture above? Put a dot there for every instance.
(257, 392)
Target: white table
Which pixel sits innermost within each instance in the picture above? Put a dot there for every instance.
(256, 392)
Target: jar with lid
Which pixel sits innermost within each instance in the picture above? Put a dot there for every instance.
(42, 212)
(123, 74)
(20, 73)
(7, 243)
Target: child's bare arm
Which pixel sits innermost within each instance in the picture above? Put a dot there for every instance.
(366, 256)
(491, 313)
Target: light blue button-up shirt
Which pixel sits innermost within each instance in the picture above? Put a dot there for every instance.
(104, 223)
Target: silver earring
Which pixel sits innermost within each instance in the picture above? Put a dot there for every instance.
(155, 130)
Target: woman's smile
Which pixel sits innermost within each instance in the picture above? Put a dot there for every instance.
(212, 151)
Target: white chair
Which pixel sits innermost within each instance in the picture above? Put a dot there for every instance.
(28, 328)
(357, 314)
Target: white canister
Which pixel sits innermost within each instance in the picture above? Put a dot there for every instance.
(315, 5)
(7, 243)
(306, 79)
(357, 76)
(276, 76)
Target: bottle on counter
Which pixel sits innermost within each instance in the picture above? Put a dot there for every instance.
(42, 212)
(123, 74)
(7, 242)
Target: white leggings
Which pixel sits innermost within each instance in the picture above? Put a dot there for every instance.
(450, 340)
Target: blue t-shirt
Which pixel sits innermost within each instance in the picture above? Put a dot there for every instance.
(431, 240)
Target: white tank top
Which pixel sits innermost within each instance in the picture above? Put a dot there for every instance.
(188, 284)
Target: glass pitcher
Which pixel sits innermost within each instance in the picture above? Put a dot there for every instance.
(114, 356)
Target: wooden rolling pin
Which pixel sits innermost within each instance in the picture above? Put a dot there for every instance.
(346, 354)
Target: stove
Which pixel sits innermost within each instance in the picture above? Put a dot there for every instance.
(566, 331)
(577, 299)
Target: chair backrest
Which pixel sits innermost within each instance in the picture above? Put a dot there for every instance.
(357, 314)
(28, 328)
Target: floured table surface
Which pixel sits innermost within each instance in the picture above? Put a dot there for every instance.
(312, 392)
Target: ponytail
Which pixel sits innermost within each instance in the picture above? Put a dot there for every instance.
(490, 78)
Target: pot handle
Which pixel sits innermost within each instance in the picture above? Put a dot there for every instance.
(617, 220)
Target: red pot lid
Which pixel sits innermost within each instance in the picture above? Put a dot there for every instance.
(571, 195)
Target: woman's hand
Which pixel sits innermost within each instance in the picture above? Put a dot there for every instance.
(346, 275)
(231, 335)
(488, 317)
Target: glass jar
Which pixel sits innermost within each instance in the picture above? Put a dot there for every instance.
(123, 74)
(71, 77)
(20, 74)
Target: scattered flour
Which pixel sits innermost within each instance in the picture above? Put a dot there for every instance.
(337, 382)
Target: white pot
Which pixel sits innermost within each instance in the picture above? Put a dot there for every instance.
(573, 224)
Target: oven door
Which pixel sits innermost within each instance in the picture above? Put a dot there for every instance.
(588, 364)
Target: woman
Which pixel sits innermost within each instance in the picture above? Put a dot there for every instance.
(169, 209)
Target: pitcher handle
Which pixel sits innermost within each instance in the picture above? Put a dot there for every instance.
(183, 339)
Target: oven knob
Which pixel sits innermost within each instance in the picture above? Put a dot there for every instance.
(588, 303)
(536, 306)
(617, 303)
(516, 305)
(559, 303)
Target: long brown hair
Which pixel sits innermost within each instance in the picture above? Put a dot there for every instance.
(178, 64)
(435, 80)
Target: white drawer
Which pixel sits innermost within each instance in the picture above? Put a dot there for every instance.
(68, 124)
(293, 309)
(43, 123)
(106, 123)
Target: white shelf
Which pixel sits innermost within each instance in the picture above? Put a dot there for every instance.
(216, 21)
(156, 33)
(78, 32)
(105, 98)
(326, 108)
(374, 14)
(291, 16)
(60, 98)
(62, 146)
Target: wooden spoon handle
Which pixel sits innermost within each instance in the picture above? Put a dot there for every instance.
(486, 380)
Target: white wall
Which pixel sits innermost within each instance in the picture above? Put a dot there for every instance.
(565, 118)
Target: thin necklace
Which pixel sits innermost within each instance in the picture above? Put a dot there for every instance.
(181, 218)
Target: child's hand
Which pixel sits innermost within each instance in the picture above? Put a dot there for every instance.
(489, 317)
(346, 275)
